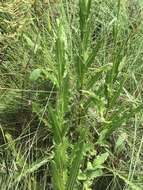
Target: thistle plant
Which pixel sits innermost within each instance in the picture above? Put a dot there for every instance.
(71, 102)
(64, 174)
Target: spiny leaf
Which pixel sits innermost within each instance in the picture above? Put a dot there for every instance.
(100, 160)
(60, 165)
(55, 126)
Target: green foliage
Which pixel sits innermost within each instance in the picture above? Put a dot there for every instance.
(71, 95)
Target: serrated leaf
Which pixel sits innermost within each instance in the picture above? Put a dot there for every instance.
(96, 173)
(82, 176)
(100, 160)
(55, 125)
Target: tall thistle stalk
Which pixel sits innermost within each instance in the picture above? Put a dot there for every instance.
(81, 70)
(64, 176)
(59, 163)
(84, 15)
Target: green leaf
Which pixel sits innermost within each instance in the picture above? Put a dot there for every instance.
(50, 75)
(55, 125)
(35, 74)
(100, 160)
(82, 176)
(94, 174)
